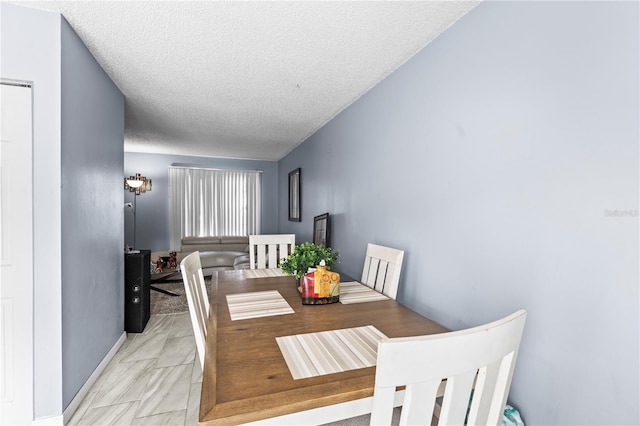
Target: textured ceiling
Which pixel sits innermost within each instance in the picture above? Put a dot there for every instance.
(250, 79)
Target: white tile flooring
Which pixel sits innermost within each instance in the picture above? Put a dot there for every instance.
(154, 379)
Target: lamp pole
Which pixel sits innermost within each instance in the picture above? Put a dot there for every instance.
(135, 197)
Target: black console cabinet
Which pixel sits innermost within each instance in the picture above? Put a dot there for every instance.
(137, 298)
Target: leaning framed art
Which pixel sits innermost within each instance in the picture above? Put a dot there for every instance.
(294, 196)
(321, 230)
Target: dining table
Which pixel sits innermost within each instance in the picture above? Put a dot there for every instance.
(246, 377)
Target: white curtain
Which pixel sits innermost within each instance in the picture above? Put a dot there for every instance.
(208, 202)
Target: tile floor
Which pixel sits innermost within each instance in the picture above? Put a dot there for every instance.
(154, 379)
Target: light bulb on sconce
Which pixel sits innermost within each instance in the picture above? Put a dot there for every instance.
(137, 184)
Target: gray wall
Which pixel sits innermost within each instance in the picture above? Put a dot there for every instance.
(31, 51)
(153, 207)
(92, 220)
(497, 158)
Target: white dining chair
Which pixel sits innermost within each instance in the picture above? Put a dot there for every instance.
(197, 298)
(477, 364)
(381, 270)
(267, 251)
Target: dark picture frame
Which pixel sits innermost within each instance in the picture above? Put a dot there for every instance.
(294, 196)
(321, 230)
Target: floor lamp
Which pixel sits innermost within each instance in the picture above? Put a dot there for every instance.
(136, 184)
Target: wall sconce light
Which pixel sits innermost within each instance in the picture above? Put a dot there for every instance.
(137, 184)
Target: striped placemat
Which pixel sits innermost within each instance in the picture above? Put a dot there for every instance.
(257, 304)
(355, 292)
(327, 352)
(263, 273)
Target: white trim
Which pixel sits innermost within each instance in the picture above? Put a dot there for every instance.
(49, 421)
(17, 254)
(84, 390)
(20, 83)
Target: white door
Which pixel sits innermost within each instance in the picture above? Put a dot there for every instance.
(16, 256)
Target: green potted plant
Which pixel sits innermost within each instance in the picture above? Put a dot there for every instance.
(308, 255)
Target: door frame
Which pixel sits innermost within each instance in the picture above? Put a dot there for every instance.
(22, 335)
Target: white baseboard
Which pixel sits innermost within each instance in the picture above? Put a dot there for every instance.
(84, 390)
(49, 421)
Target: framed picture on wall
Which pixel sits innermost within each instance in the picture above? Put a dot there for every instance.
(294, 196)
(321, 230)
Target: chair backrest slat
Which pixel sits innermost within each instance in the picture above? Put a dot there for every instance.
(476, 366)
(268, 251)
(382, 266)
(197, 299)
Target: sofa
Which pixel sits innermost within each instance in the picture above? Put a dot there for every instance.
(216, 253)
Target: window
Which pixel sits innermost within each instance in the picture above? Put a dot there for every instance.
(209, 202)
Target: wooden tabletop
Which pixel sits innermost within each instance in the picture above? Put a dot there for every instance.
(245, 376)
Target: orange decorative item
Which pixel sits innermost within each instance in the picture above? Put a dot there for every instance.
(320, 287)
(159, 265)
(173, 263)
